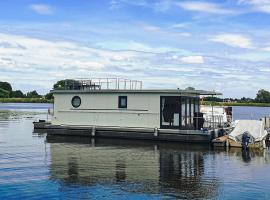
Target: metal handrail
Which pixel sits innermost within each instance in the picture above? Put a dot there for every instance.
(103, 83)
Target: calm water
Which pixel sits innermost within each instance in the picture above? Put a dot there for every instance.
(33, 166)
(245, 112)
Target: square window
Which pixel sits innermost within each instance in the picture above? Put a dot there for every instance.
(122, 102)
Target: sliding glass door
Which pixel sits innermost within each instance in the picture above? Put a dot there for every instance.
(170, 112)
(178, 112)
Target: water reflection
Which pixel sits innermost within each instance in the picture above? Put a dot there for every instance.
(120, 170)
(72, 172)
(253, 156)
(246, 155)
(151, 167)
(182, 171)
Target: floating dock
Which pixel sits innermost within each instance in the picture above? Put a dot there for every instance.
(125, 132)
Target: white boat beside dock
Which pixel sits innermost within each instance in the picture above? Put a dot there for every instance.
(255, 130)
(245, 133)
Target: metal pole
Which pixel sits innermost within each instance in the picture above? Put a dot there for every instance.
(212, 111)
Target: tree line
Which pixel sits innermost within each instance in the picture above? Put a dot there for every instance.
(6, 91)
(262, 96)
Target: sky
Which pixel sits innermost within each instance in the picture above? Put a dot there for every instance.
(210, 44)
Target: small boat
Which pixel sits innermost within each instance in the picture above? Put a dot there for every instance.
(254, 130)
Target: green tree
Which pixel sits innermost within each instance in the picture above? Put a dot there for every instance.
(33, 94)
(49, 96)
(190, 88)
(4, 93)
(5, 86)
(17, 94)
(66, 84)
(212, 99)
(263, 96)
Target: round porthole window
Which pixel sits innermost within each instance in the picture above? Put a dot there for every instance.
(76, 101)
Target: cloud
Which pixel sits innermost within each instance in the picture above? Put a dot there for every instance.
(258, 5)
(234, 40)
(152, 28)
(163, 5)
(266, 48)
(180, 25)
(41, 9)
(164, 32)
(39, 59)
(204, 7)
(43, 62)
(193, 59)
(138, 47)
(116, 4)
(53, 55)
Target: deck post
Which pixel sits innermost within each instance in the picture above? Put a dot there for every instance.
(212, 104)
(93, 133)
(227, 143)
(156, 132)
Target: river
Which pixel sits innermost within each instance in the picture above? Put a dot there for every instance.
(33, 166)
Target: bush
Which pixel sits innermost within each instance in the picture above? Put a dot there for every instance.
(66, 84)
(33, 94)
(4, 93)
(5, 86)
(17, 94)
(49, 96)
(263, 96)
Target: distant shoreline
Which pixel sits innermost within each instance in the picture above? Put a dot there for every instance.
(25, 100)
(236, 104)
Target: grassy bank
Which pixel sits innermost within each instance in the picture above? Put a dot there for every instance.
(236, 104)
(25, 100)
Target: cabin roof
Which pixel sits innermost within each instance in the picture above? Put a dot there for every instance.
(150, 91)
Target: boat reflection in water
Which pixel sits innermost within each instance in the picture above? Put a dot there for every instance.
(168, 169)
(143, 167)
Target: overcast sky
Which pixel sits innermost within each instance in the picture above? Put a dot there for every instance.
(212, 45)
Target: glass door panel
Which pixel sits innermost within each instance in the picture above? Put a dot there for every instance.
(183, 112)
(191, 110)
(170, 112)
(188, 111)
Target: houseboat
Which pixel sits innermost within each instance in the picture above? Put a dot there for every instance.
(120, 108)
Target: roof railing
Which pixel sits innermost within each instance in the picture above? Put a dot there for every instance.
(102, 83)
